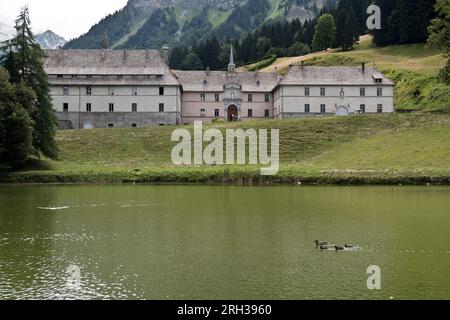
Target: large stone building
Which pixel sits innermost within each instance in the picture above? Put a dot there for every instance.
(134, 88)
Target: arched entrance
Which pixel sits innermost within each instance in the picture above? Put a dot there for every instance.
(232, 113)
(341, 111)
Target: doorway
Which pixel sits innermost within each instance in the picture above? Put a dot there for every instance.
(232, 113)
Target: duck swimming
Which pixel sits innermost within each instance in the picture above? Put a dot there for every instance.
(320, 243)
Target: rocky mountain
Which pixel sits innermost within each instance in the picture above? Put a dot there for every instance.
(154, 23)
(50, 40)
(6, 32)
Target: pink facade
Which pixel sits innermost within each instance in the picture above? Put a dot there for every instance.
(206, 106)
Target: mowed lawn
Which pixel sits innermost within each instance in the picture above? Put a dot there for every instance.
(387, 146)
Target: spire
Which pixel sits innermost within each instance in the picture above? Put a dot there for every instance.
(231, 65)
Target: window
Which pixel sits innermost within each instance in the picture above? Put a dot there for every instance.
(380, 108)
(250, 98)
(322, 92)
(134, 125)
(89, 77)
(110, 91)
(306, 92)
(267, 113)
(379, 92)
(59, 76)
(110, 125)
(161, 107)
(267, 97)
(66, 91)
(65, 107)
(74, 76)
(362, 108)
(161, 91)
(250, 113)
(202, 112)
(216, 113)
(323, 108)
(134, 91)
(216, 97)
(88, 107)
(202, 97)
(111, 107)
(362, 92)
(307, 108)
(134, 107)
(88, 91)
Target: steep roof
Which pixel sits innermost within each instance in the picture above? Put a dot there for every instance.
(214, 81)
(108, 62)
(312, 75)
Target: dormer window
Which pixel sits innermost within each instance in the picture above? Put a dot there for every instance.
(378, 78)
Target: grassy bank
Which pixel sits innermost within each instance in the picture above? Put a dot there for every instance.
(370, 149)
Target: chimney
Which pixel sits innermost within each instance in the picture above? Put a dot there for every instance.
(165, 55)
(147, 56)
(208, 70)
(363, 67)
(303, 64)
(124, 55)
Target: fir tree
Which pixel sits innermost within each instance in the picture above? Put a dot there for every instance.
(15, 122)
(325, 34)
(440, 34)
(24, 63)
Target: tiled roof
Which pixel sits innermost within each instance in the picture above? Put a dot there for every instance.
(108, 62)
(214, 81)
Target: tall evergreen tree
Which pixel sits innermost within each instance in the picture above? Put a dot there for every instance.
(325, 34)
(440, 33)
(24, 63)
(15, 122)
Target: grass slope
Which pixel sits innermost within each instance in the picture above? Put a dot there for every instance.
(356, 149)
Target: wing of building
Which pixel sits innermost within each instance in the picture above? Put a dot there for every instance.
(134, 88)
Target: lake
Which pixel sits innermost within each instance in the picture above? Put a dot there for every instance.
(222, 242)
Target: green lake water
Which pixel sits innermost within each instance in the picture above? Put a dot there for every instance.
(223, 242)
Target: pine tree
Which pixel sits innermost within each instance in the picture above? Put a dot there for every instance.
(440, 33)
(192, 62)
(15, 122)
(24, 63)
(325, 34)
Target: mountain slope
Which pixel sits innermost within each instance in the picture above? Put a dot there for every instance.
(153, 23)
(50, 40)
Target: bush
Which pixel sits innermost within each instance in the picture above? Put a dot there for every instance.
(298, 49)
